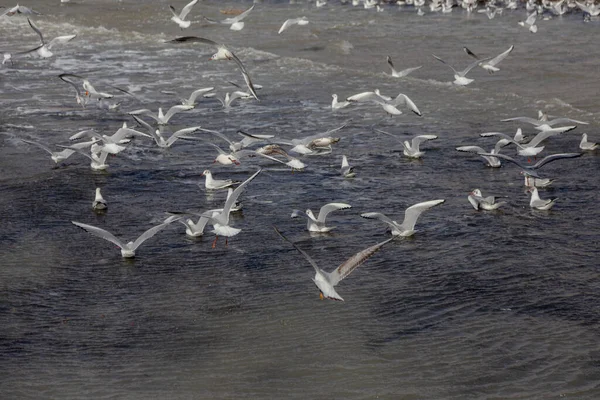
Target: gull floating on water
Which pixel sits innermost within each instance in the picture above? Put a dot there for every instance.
(538, 203)
(411, 149)
(236, 22)
(585, 145)
(483, 203)
(99, 203)
(317, 224)
(490, 66)
(223, 53)
(412, 213)
(292, 21)
(491, 161)
(400, 74)
(127, 249)
(326, 281)
(460, 78)
(179, 19)
(213, 184)
(336, 105)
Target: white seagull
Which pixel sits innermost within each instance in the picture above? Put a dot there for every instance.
(57, 156)
(347, 171)
(538, 203)
(483, 203)
(326, 281)
(336, 105)
(44, 48)
(223, 53)
(491, 161)
(317, 224)
(400, 74)
(292, 21)
(179, 19)
(544, 125)
(490, 66)
(531, 148)
(156, 134)
(220, 219)
(213, 184)
(99, 203)
(127, 249)
(236, 22)
(191, 101)
(460, 78)
(531, 181)
(529, 23)
(160, 118)
(412, 213)
(532, 169)
(411, 149)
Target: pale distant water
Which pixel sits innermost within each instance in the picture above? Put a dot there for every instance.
(477, 305)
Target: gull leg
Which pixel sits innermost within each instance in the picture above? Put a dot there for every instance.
(214, 243)
(226, 241)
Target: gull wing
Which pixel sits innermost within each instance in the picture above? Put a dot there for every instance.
(402, 99)
(330, 207)
(60, 40)
(186, 10)
(41, 146)
(444, 62)
(528, 120)
(469, 52)
(176, 109)
(197, 93)
(308, 258)
(500, 57)
(101, 233)
(194, 39)
(391, 64)
(287, 24)
(394, 136)
(543, 135)
(554, 157)
(146, 112)
(407, 71)
(382, 217)
(413, 212)
(565, 121)
(245, 75)
(350, 264)
(238, 17)
(150, 232)
(471, 149)
(472, 65)
(417, 140)
(177, 135)
(36, 30)
(217, 133)
(531, 18)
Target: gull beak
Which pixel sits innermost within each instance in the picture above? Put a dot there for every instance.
(321, 295)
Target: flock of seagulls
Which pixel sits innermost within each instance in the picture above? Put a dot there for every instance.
(154, 126)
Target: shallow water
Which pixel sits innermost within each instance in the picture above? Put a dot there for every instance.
(476, 305)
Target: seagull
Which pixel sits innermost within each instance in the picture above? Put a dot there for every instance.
(57, 156)
(400, 74)
(236, 22)
(491, 161)
(161, 119)
(529, 23)
(127, 249)
(460, 78)
(220, 219)
(99, 203)
(318, 143)
(347, 170)
(79, 98)
(483, 203)
(543, 124)
(98, 158)
(197, 229)
(213, 184)
(490, 66)
(157, 135)
(585, 145)
(180, 19)
(292, 162)
(368, 96)
(191, 101)
(336, 105)
(44, 48)
(531, 148)
(389, 104)
(229, 98)
(18, 10)
(317, 224)
(532, 169)
(326, 281)
(412, 213)
(537, 203)
(292, 21)
(411, 149)
(223, 53)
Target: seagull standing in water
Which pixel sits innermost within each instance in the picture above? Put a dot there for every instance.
(412, 213)
(99, 203)
(326, 281)
(483, 203)
(585, 145)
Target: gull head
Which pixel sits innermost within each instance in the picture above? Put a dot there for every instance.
(476, 192)
(206, 173)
